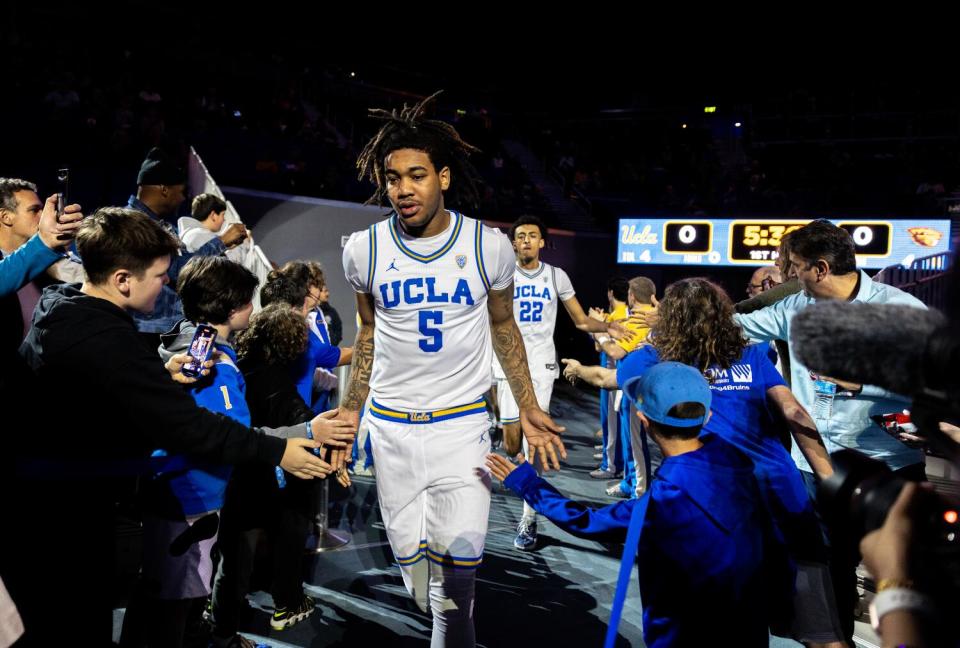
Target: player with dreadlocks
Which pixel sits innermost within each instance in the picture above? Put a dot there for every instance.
(432, 287)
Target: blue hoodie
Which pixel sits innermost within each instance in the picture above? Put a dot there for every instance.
(200, 486)
(710, 564)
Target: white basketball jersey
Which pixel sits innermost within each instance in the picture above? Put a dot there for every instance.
(536, 297)
(432, 336)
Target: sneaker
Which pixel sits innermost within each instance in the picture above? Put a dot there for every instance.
(600, 473)
(616, 491)
(597, 456)
(286, 617)
(526, 539)
(599, 446)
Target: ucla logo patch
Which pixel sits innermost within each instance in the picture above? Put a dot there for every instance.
(421, 417)
(461, 260)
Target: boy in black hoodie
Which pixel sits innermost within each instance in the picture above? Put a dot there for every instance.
(115, 402)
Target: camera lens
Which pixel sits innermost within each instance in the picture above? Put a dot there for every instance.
(856, 498)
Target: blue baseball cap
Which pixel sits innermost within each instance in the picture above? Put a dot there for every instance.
(667, 384)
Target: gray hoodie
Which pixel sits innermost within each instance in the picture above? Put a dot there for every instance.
(177, 340)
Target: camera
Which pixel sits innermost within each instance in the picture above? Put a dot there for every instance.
(855, 501)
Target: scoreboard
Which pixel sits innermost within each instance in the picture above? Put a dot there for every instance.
(754, 241)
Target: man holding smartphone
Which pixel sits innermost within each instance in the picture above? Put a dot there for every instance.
(31, 243)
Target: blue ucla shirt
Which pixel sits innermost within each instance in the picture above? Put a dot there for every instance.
(740, 416)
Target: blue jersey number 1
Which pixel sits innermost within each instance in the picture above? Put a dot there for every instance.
(435, 341)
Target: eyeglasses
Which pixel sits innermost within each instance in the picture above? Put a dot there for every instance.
(763, 286)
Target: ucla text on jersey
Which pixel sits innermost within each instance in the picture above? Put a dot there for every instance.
(417, 290)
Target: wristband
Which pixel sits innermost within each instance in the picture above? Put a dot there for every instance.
(896, 599)
(316, 451)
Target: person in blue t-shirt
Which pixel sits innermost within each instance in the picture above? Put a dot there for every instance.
(695, 327)
(710, 564)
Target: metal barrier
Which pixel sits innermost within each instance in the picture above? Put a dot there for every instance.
(925, 278)
(323, 538)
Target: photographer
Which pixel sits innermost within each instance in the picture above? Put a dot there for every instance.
(886, 554)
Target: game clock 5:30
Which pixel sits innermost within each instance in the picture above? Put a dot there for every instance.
(752, 241)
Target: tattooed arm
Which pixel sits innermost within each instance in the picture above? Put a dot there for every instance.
(539, 429)
(361, 364)
(359, 385)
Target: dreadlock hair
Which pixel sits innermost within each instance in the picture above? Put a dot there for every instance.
(408, 129)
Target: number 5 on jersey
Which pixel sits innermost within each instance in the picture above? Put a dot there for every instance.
(434, 341)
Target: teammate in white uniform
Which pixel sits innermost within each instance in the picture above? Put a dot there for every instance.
(432, 286)
(537, 289)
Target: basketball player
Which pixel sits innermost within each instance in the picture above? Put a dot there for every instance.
(537, 289)
(432, 287)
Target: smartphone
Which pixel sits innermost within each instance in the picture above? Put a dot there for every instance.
(63, 183)
(200, 349)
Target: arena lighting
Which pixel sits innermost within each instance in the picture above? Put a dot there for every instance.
(683, 126)
(737, 124)
(710, 109)
(950, 517)
(353, 74)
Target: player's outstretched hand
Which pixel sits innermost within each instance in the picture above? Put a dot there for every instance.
(501, 467)
(543, 438)
(299, 460)
(339, 458)
(597, 314)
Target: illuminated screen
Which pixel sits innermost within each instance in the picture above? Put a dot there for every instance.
(753, 241)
